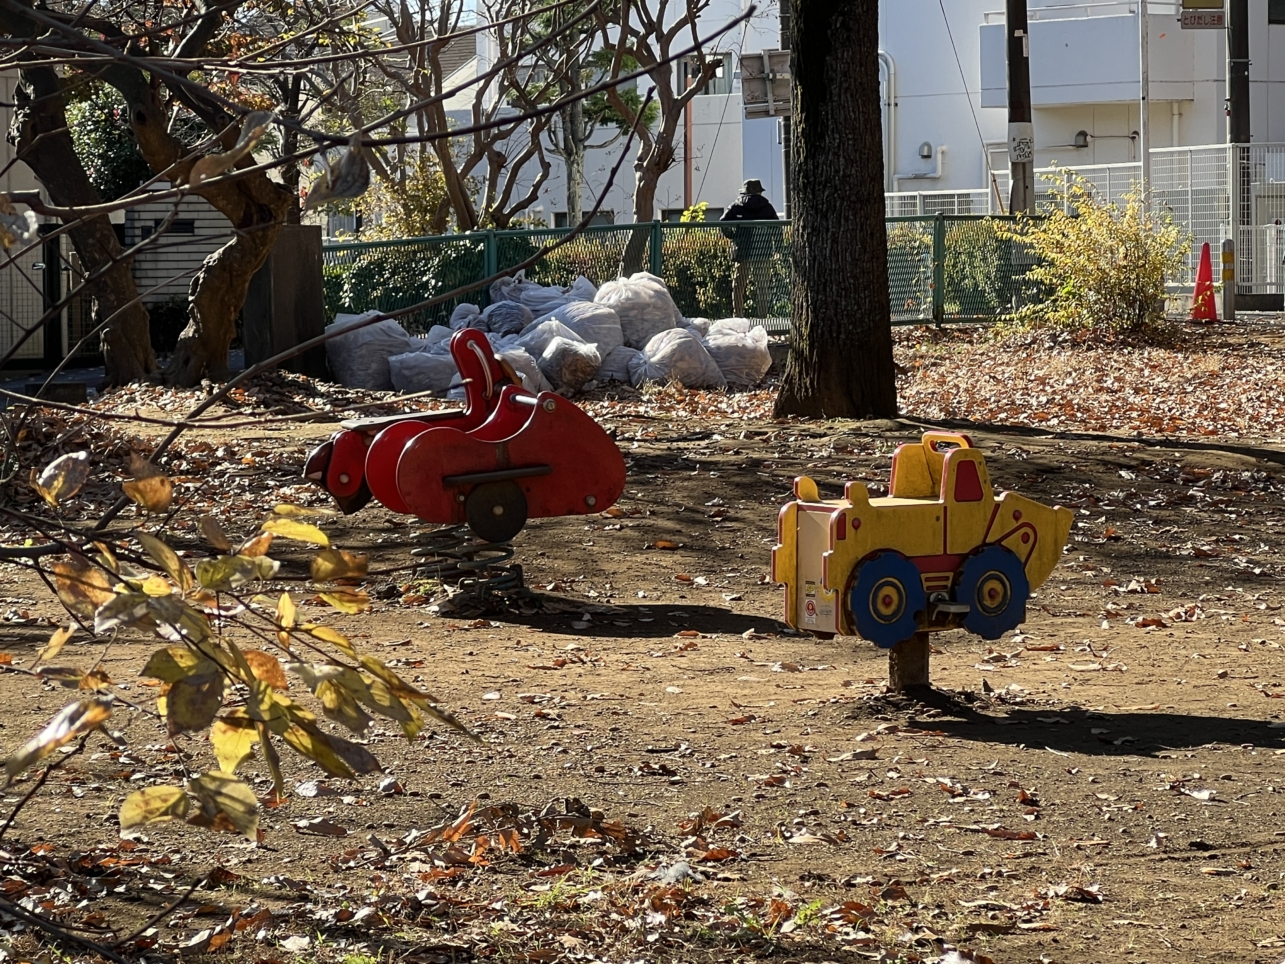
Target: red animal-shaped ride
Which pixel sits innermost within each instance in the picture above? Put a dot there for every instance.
(507, 456)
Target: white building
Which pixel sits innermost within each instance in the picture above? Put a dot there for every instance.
(1084, 61)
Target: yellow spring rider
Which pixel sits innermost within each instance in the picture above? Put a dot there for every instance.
(942, 551)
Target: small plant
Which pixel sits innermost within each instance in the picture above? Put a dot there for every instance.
(1102, 264)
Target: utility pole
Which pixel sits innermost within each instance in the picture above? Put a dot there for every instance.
(1144, 101)
(786, 27)
(1021, 132)
(1238, 72)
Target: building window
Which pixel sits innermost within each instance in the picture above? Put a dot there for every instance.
(720, 83)
(1276, 11)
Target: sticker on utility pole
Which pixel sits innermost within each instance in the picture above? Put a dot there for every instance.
(1021, 142)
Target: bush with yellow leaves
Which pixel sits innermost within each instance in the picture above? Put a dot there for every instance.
(1103, 265)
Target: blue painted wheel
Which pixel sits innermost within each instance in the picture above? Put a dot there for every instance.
(993, 583)
(887, 599)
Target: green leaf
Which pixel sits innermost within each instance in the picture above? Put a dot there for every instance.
(71, 722)
(299, 531)
(226, 804)
(153, 805)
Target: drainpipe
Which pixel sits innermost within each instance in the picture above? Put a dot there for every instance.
(1175, 124)
(890, 124)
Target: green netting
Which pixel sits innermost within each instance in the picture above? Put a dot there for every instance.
(941, 268)
(389, 275)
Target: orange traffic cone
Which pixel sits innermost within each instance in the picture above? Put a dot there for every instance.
(1203, 307)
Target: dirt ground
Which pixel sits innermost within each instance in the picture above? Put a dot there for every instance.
(1104, 785)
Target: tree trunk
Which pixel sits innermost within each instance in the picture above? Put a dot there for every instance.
(573, 154)
(256, 207)
(40, 135)
(840, 362)
(649, 170)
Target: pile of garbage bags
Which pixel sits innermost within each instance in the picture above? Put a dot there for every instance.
(559, 339)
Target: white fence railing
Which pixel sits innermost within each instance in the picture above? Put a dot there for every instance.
(1216, 191)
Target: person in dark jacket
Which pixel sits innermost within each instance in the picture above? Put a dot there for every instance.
(752, 249)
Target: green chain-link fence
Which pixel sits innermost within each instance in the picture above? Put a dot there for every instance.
(940, 269)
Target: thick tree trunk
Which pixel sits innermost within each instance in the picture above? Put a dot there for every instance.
(840, 362)
(649, 168)
(254, 205)
(40, 135)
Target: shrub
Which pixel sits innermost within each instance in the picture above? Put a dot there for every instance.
(979, 266)
(1102, 264)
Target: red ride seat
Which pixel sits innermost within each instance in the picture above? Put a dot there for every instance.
(361, 460)
(536, 456)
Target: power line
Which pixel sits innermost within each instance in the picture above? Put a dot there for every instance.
(969, 97)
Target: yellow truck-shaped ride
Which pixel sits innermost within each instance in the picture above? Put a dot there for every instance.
(941, 551)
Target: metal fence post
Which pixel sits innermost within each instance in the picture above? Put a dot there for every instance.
(1229, 280)
(657, 251)
(939, 268)
(490, 254)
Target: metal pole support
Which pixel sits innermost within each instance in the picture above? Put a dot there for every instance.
(908, 664)
(939, 269)
(1229, 280)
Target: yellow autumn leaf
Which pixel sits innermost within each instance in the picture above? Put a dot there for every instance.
(226, 804)
(233, 737)
(155, 494)
(298, 531)
(62, 478)
(214, 534)
(346, 601)
(332, 636)
(56, 642)
(287, 612)
(153, 805)
(71, 722)
(331, 564)
(82, 588)
(299, 511)
(167, 559)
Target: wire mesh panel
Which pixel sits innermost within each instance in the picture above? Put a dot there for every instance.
(598, 252)
(983, 272)
(910, 269)
(389, 275)
(22, 305)
(729, 270)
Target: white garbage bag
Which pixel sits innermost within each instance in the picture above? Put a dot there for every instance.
(739, 348)
(698, 325)
(678, 355)
(582, 289)
(569, 364)
(422, 371)
(537, 335)
(506, 317)
(643, 304)
(615, 364)
(359, 359)
(438, 338)
(465, 316)
(528, 370)
(596, 324)
(540, 299)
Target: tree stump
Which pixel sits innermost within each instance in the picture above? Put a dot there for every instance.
(908, 664)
